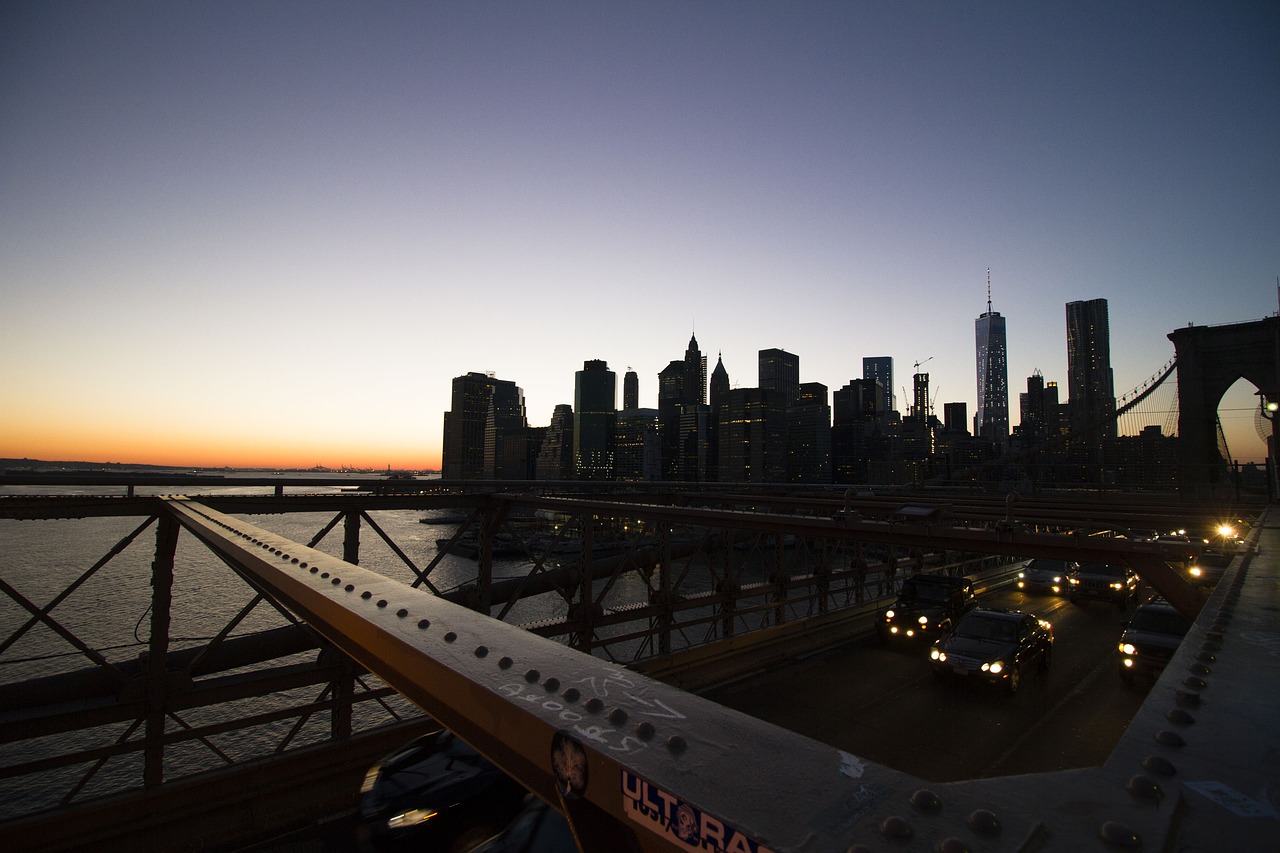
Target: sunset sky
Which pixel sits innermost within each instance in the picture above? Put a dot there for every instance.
(271, 233)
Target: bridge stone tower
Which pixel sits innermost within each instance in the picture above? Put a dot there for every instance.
(1210, 360)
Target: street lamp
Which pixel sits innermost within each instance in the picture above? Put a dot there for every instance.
(1268, 411)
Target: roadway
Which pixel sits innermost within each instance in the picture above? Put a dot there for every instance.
(882, 703)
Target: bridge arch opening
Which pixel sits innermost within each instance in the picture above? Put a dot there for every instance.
(1242, 424)
(1212, 360)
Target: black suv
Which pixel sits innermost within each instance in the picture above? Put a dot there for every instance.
(1150, 638)
(1114, 582)
(927, 604)
(993, 645)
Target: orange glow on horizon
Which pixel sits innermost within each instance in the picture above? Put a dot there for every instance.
(208, 451)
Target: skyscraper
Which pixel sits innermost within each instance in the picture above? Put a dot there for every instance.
(555, 457)
(880, 369)
(595, 400)
(1090, 387)
(464, 427)
(991, 421)
(506, 448)
(630, 390)
(694, 390)
(780, 371)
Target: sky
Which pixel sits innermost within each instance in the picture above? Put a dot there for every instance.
(271, 233)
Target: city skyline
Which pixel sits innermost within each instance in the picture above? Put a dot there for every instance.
(271, 236)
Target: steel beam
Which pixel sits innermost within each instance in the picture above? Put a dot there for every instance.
(635, 763)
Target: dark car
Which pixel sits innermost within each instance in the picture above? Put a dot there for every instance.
(537, 829)
(1114, 582)
(1207, 569)
(1043, 575)
(926, 604)
(436, 793)
(995, 646)
(1150, 639)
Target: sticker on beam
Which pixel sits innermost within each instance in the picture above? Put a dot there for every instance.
(680, 821)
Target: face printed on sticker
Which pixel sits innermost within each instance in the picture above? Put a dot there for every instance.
(569, 763)
(686, 823)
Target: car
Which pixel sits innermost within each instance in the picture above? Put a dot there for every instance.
(436, 793)
(1044, 575)
(1208, 568)
(1150, 639)
(1177, 547)
(538, 828)
(926, 605)
(1114, 582)
(993, 645)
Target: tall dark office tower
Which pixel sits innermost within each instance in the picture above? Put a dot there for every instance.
(506, 439)
(464, 427)
(809, 435)
(694, 391)
(991, 421)
(920, 406)
(753, 436)
(638, 450)
(719, 384)
(1031, 411)
(853, 410)
(630, 390)
(555, 458)
(780, 371)
(1090, 387)
(1054, 411)
(880, 369)
(595, 400)
(719, 391)
(955, 418)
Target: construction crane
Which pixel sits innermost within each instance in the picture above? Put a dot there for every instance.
(926, 361)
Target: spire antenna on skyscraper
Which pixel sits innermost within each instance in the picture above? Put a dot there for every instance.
(988, 290)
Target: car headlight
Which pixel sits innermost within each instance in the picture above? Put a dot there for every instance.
(937, 654)
(1117, 586)
(1073, 581)
(1022, 574)
(994, 668)
(1196, 571)
(1128, 648)
(412, 817)
(1057, 579)
(370, 779)
(888, 614)
(923, 620)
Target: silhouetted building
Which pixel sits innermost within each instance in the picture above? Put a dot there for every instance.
(1033, 421)
(694, 391)
(854, 410)
(780, 371)
(506, 438)
(594, 421)
(753, 436)
(918, 428)
(719, 390)
(880, 369)
(638, 449)
(1090, 384)
(809, 435)
(630, 390)
(955, 418)
(1148, 460)
(463, 451)
(555, 457)
(991, 421)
